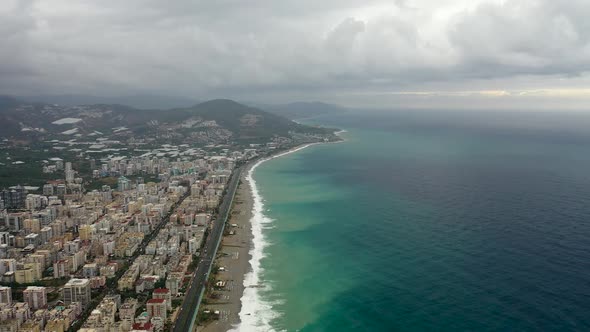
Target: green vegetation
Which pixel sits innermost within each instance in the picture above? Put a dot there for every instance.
(86, 313)
(30, 173)
(249, 125)
(218, 122)
(193, 265)
(44, 283)
(176, 303)
(98, 183)
(53, 296)
(161, 283)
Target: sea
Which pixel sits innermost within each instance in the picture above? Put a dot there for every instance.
(425, 221)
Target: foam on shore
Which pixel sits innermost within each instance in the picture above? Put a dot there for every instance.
(256, 314)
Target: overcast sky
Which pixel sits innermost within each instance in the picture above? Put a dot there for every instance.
(524, 53)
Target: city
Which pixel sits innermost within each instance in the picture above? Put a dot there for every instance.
(115, 258)
(294, 165)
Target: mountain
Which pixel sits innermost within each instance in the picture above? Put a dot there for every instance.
(301, 110)
(218, 120)
(247, 122)
(144, 102)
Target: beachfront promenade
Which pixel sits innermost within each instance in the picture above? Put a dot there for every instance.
(189, 310)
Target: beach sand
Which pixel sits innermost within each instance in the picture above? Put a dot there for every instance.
(234, 256)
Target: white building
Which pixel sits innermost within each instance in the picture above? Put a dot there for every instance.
(36, 297)
(77, 290)
(6, 295)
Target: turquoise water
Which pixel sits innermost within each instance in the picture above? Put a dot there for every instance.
(422, 222)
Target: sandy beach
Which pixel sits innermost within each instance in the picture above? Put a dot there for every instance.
(234, 257)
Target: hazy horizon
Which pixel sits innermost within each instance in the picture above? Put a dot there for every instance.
(529, 54)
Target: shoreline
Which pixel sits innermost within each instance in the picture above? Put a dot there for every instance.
(240, 254)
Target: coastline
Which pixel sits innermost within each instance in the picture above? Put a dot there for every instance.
(240, 255)
(233, 256)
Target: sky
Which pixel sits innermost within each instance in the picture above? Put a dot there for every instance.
(374, 53)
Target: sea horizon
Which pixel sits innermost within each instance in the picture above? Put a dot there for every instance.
(299, 195)
(164, 165)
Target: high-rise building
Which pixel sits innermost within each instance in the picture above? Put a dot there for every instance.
(48, 189)
(27, 273)
(35, 202)
(61, 268)
(32, 225)
(61, 189)
(157, 308)
(7, 265)
(36, 297)
(5, 238)
(123, 184)
(85, 232)
(70, 173)
(77, 290)
(173, 284)
(164, 294)
(5, 295)
(13, 198)
(127, 310)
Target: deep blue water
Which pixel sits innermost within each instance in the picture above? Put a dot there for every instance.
(433, 221)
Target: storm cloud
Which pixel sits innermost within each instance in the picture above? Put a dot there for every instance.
(295, 49)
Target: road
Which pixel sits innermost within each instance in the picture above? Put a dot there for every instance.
(190, 306)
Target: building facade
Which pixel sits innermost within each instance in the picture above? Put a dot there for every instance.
(77, 290)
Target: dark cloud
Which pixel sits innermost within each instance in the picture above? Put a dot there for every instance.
(286, 49)
(541, 37)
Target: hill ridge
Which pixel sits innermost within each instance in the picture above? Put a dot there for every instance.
(225, 117)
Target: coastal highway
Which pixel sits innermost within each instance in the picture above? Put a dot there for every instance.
(188, 312)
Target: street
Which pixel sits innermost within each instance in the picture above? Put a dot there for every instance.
(190, 306)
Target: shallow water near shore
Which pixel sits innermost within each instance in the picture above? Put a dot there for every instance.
(446, 221)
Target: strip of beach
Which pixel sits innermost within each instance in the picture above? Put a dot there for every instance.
(233, 261)
(234, 258)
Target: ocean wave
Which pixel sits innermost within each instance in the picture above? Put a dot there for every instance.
(257, 313)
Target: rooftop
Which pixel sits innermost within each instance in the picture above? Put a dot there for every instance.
(156, 301)
(77, 282)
